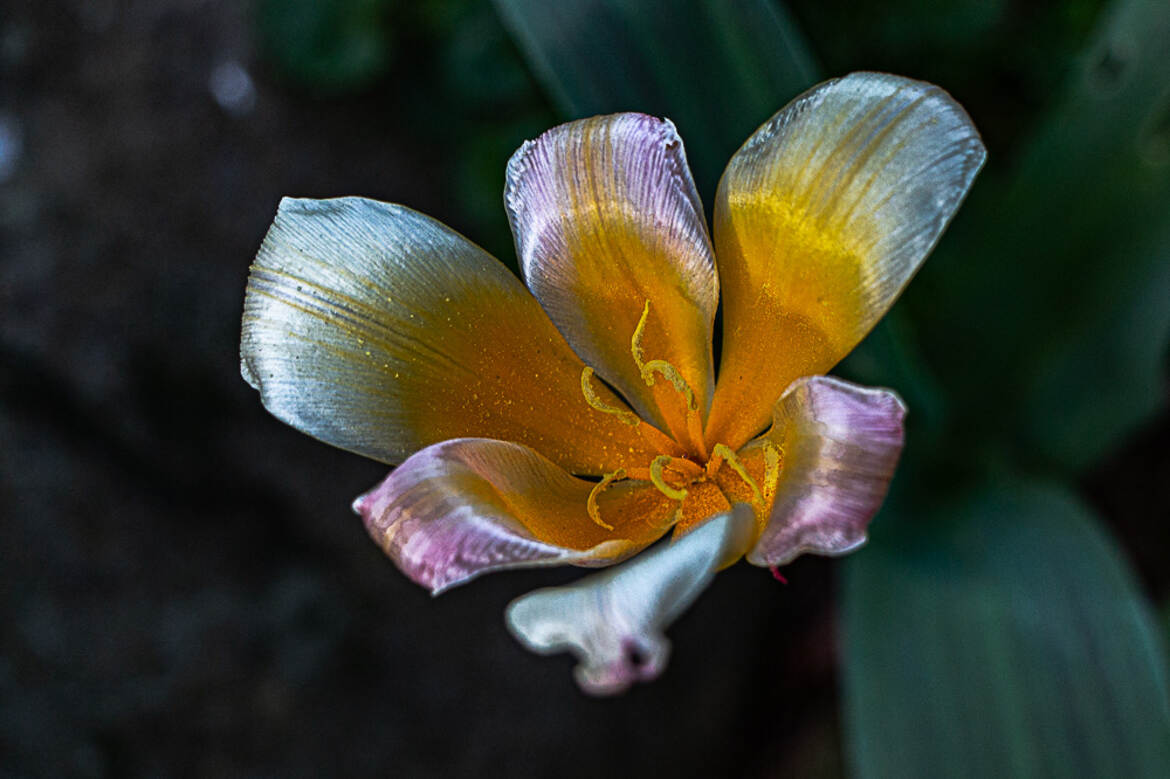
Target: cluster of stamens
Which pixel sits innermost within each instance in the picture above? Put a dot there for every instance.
(672, 475)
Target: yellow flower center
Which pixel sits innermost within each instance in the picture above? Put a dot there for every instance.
(675, 477)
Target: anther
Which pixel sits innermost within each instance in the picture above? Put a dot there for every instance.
(656, 477)
(600, 487)
(648, 370)
(722, 453)
(595, 401)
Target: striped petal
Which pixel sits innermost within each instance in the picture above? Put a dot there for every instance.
(821, 219)
(613, 621)
(378, 330)
(465, 507)
(840, 444)
(606, 218)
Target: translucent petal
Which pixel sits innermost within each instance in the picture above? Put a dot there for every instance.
(840, 444)
(821, 219)
(468, 506)
(606, 218)
(378, 330)
(613, 621)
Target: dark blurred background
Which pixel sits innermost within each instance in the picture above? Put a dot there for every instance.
(183, 589)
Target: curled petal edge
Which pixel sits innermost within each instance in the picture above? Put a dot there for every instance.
(469, 506)
(841, 444)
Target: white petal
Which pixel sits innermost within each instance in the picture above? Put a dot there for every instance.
(821, 219)
(613, 621)
(379, 330)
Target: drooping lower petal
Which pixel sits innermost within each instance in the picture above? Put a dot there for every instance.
(379, 330)
(465, 507)
(821, 219)
(613, 621)
(606, 218)
(840, 445)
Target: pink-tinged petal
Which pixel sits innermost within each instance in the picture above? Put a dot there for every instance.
(613, 621)
(468, 506)
(840, 444)
(606, 217)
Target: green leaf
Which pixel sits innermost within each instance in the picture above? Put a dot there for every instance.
(717, 68)
(1110, 374)
(1046, 269)
(1002, 636)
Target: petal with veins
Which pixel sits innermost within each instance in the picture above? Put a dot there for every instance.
(469, 506)
(606, 218)
(613, 621)
(379, 330)
(840, 443)
(821, 219)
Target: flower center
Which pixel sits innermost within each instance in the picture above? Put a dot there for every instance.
(675, 477)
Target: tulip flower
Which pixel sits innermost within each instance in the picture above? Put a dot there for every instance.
(580, 419)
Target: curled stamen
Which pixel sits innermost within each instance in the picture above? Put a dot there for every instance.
(595, 401)
(636, 338)
(656, 477)
(722, 453)
(600, 487)
(648, 369)
(671, 374)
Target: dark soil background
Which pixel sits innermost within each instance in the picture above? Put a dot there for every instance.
(183, 589)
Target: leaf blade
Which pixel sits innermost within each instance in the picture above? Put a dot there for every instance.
(602, 56)
(1007, 638)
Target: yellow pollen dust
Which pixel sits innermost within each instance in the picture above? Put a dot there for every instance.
(722, 453)
(672, 475)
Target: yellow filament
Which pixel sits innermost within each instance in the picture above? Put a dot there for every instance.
(595, 401)
(722, 453)
(671, 374)
(600, 487)
(660, 482)
(636, 339)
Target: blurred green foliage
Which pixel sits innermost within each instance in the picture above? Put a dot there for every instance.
(717, 69)
(1002, 635)
(328, 47)
(992, 625)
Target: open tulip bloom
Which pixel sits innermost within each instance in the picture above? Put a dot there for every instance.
(579, 420)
